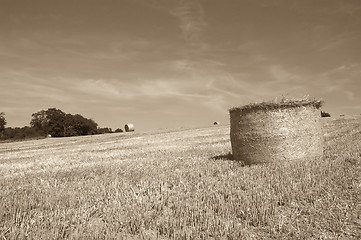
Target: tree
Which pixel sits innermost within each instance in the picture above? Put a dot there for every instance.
(325, 114)
(76, 125)
(59, 124)
(2, 123)
(40, 121)
(56, 119)
(104, 130)
(22, 133)
(69, 128)
(50, 121)
(118, 130)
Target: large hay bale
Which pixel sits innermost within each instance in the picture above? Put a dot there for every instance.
(129, 127)
(271, 132)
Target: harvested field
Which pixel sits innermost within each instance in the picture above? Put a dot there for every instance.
(178, 185)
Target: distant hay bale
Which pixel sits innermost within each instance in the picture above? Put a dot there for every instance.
(270, 132)
(129, 127)
(216, 123)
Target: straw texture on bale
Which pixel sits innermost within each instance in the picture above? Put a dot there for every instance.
(271, 132)
(129, 127)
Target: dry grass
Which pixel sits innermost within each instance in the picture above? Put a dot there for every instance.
(284, 103)
(177, 185)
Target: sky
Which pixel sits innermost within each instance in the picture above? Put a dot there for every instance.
(175, 63)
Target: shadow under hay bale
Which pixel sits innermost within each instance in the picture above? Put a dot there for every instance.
(129, 127)
(228, 156)
(273, 132)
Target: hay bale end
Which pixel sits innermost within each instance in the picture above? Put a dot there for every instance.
(129, 127)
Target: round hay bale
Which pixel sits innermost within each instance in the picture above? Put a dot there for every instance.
(129, 127)
(271, 132)
(216, 123)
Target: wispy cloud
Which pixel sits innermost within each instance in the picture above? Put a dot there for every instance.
(182, 65)
(114, 89)
(191, 21)
(280, 75)
(333, 83)
(122, 49)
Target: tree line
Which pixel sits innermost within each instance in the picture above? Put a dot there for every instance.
(52, 122)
